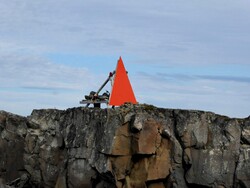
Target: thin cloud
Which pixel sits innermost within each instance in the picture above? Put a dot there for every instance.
(35, 71)
(150, 31)
(224, 78)
(187, 77)
(54, 89)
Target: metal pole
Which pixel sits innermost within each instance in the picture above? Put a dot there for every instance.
(106, 81)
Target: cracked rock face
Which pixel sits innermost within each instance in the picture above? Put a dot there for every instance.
(133, 146)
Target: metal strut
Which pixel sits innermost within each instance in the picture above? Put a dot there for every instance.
(94, 97)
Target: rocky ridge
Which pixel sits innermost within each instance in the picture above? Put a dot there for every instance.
(132, 146)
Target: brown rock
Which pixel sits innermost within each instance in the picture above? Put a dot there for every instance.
(121, 166)
(156, 185)
(122, 141)
(159, 165)
(146, 141)
(139, 173)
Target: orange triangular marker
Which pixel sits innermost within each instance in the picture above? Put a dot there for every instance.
(122, 90)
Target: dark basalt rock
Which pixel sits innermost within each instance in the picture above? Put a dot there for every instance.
(132, 146)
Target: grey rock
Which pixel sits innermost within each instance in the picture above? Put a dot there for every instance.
(243, 167)
(129, 146)
(246, 131)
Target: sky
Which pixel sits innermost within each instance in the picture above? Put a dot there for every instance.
(178, 54)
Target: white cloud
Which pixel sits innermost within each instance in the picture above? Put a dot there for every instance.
(228, 96)
(34, 71)
(28, 82)
(166, 30)
(154, 35)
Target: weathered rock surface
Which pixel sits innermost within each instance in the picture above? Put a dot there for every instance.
(133, 146)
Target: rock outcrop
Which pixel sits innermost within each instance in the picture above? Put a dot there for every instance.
(133, 146)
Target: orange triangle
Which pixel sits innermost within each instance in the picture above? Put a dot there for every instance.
(122, 90)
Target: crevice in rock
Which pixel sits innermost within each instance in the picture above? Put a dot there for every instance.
(3, 170)
(244, 141)
(66, 173)
(235, 175)
(22, 181)
(238, 157)
(137, 157)
(184, 165)
(105, 179)
(158, 181)
(175, 130)
(192, 185)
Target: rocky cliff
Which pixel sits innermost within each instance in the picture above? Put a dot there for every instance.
(133, 146)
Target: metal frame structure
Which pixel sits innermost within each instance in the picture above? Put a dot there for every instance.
(94, 97)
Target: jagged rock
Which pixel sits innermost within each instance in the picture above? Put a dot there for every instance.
(246, 132)
(243, 163)
(211, 147)
(137, 124)
(243, 167)
(192, 128)
(131, 146)
(11, 146)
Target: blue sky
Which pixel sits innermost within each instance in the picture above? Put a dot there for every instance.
(179, 54)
